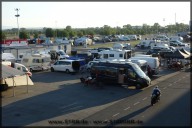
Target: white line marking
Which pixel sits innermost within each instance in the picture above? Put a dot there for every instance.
(69, 105)
(136, 103)
(127, 108)
(164, 87)
(145, 98)
(115, 114)
(75, 107)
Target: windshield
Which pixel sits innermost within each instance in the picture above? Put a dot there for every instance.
(138, 70)
(46, 59)
(61, 52)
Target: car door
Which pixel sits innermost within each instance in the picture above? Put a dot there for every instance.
(131, 77)
(57, 66)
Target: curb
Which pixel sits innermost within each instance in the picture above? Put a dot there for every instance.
(164, 77)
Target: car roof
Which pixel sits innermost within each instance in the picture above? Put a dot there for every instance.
(67, 60)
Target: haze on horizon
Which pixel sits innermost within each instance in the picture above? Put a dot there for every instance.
(93, 14)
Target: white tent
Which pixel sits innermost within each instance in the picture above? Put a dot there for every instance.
(13, 77)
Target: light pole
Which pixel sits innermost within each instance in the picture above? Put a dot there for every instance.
(17, 19)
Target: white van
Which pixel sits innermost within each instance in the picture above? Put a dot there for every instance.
(17, 66)
(61, 53)
(22, 68)
(66, 66)
(153, 62)
(174, 38)
(36, 62)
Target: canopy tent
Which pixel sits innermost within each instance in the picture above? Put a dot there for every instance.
(13, 77)
(184, 51)
(177, 54)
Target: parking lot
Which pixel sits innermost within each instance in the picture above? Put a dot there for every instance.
(58, 94)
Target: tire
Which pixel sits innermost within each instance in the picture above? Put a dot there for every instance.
(138, 86)
(89, 70)
(52, 69)
(67, 71)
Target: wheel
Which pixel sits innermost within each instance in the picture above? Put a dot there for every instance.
(67, 70)
(89, 70)
(138, 86)
(31, 70)
(52, 69)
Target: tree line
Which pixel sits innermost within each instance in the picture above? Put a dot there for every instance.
(70, 32)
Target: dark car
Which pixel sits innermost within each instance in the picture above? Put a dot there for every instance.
(153, 52)
(176, 43)
(106, 39)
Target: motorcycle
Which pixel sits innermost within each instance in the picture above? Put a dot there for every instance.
(154, 99)
(88, 80)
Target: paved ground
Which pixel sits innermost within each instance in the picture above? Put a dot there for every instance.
(56, 94)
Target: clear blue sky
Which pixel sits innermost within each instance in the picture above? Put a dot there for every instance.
(93, 14)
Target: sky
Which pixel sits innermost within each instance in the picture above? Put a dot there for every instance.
(93, 14)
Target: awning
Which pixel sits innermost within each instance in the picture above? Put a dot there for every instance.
(19, 81)
(177, 54)
(13, 77)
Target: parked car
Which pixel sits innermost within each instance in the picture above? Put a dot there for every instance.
(66, 65)
(106, 39)
(177, 43)
(83, 40)
(124, 38)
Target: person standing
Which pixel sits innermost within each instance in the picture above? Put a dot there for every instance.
(65, 48)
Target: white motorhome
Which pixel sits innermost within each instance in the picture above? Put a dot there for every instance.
(114, 54)
(8, 57)
(122, 46)
(141, 63)
(146, 43)
(162, 37)
(83, 41)
(142, 55)
(153, 62)
(36, 62)
(174, 38)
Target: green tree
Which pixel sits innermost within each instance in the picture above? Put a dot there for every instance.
(36, 35)
(49, 32)
(80, 33)
(23, 35)
(3, 35)
(65, 33)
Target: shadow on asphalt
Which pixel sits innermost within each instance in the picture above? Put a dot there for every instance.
(178, 107)
(67, 99)
(128, 117)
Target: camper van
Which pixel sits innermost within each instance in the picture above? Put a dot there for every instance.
(153, 62)
(120, 73)
(141, 63)
(8, 57)
(36, 62)
(114, 54)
